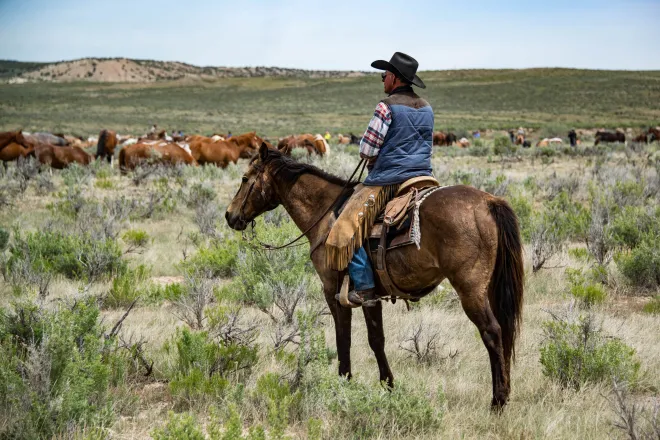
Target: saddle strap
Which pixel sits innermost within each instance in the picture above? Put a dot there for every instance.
(381, 269)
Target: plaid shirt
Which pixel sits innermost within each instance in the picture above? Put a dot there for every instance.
(376, 131)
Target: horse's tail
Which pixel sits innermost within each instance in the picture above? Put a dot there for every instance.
(122, 161)
(507, 283)
(100, 146)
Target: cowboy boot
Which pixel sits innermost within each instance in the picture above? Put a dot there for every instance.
(353, 299)
(365, 298)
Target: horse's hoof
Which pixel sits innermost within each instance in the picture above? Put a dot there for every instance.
(497, 406)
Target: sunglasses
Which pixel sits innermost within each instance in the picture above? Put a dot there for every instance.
(383, 76)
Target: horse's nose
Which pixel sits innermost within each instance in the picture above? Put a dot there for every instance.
(230, 219)
(234, 221)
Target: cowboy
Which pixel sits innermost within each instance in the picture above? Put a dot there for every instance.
(572, 137)
(397, 146)
(327, 136)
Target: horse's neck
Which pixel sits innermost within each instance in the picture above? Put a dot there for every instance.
(6, 140)
(307, 200)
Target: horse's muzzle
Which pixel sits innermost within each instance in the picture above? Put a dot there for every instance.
(235, 222)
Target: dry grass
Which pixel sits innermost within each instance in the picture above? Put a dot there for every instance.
(538, 407)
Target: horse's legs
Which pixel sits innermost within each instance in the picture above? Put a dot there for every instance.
(476, 306)
(374, 318)
(342, 317)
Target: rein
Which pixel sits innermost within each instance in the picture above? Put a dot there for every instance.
(269, 247)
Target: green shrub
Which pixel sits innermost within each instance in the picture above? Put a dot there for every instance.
(569, 219)
(577, 353)
(103, 183)
(580, 254)
(274, 397)
(4, 239)
(545, 152)
(631, 224)
(478, 149)
(503, 146)
(585, 291)
(641, 265)
(203, 365)
(233, 429)
(170, 292)
(126, 288)
(55, 370)
(523, 209)
(199, 195)
(76, 257)
(219, 258)
(281, 278)
(653, 306)
(136, 239)
(365, 410)
(179, 427)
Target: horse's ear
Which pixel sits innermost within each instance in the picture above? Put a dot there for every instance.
(263, 151)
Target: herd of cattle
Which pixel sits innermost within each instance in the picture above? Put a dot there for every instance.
(59, 151)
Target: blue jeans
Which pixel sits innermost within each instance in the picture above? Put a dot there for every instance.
(359, 269)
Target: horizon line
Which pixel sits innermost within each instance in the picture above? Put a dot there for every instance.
(327, 70)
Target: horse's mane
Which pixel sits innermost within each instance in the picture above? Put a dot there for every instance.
(290, 170)
(100, 146)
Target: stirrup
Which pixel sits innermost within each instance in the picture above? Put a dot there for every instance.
(342, 296)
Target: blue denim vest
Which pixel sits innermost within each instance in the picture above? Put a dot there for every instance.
(408, 145)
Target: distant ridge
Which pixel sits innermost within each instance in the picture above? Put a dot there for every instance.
(144, 71)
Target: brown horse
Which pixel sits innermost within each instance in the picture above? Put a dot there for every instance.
(14, 145)
(222, 151)
(158, 152)
(608, 137)
(105, 149)
(439, 138)
(61, 157)
(313, 144)
(8, 137)
(655, 134)
(641, 139)
(468, 236)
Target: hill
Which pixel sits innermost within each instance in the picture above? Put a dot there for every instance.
(554, 99)
(144, 71)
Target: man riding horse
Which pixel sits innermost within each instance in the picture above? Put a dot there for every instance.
(397, 146)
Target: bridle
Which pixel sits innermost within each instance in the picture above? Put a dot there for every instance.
(260, 172)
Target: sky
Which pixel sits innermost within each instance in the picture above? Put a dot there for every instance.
(339, 34)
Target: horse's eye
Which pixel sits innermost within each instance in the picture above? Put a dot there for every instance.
(245, 179)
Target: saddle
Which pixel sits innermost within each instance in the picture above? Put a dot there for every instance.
(395, 229)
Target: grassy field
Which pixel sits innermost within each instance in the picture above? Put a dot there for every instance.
(444, 394)
(463, 100)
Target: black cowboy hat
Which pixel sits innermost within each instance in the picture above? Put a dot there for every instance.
(402, 65)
